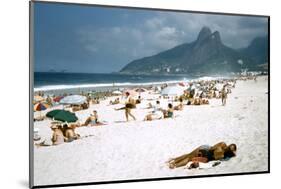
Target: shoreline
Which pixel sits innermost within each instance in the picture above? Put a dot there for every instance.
(107, 87)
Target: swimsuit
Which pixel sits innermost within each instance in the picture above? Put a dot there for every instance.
(206, 152)
(130, 106)
(170, 114)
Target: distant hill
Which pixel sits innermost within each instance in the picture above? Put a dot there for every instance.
(257, 51)
(206, 55)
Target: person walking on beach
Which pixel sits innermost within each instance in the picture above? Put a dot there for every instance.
(223, 95)
(129, 104)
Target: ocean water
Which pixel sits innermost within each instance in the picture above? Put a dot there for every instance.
(65, 81)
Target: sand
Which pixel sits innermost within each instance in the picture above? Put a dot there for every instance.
(137, 150)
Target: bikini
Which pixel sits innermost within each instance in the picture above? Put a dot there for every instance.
(207, 152)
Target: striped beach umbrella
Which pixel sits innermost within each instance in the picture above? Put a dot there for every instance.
(40, 106)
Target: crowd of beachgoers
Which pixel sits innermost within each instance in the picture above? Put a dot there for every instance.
(200, 127)
(178, 96)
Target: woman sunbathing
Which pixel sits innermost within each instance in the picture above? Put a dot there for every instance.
(206, 153)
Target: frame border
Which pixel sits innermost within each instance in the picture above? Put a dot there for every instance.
(31, 93)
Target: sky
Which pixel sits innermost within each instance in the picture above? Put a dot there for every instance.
(88, 39)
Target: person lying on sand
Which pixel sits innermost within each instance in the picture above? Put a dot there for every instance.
(129, 104)
(149, 106)
(180, 105)
(116, 101)
(205, 153)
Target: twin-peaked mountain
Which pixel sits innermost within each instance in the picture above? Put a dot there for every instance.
(207, 54)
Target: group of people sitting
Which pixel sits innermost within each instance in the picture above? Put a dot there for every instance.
(61, 133)
(84, 106)
(159, 113)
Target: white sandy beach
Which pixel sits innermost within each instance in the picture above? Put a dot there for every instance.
(139, 150)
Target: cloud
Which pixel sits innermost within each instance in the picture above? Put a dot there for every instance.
(152, 36)
(123, 43)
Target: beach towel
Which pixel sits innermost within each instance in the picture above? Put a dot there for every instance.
(201, 165)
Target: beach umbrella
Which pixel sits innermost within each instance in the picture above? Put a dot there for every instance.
(62, 115)
(52, 113)
(73, 99)
(140, 90)
(158, 88)
(117, 92)
(173, 91)
(219, 86)
(181, 84)
(57, 98)
(40, 106)
(131, 92)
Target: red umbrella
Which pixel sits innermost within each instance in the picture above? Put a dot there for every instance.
(140, 90)
(182, 84)
(57, 98)
(131, 92)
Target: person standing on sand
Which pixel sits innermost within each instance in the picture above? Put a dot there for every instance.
(129, 104)
(223, 95)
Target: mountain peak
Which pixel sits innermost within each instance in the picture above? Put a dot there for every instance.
(204, 33)
(206, 55)
(216, 36)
